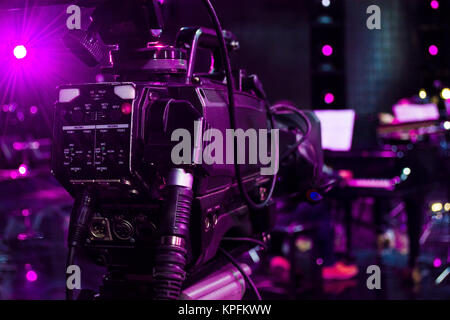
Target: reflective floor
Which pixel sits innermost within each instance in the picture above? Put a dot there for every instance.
(33, 253)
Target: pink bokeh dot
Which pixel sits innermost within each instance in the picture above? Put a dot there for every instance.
(327, 50)
(329, 98)
(31, 276)
(434, 4)
(433, 50)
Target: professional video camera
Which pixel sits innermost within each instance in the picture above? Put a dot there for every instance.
(155, 223)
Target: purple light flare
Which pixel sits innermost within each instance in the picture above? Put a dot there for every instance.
(20, 52)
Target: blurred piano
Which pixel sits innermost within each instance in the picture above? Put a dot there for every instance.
(402, 159)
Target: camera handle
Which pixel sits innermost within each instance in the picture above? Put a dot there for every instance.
(205, 38)
(171, 253)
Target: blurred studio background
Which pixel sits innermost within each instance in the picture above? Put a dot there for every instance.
(319, 54)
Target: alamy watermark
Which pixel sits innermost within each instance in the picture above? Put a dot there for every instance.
(374, 280)
(213, 153)
(374, 20)
(73, 280)
(73, 22)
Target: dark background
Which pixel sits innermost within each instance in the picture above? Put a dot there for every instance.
(381, 66)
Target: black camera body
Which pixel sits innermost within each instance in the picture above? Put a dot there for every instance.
(139, 212)
(112, 136)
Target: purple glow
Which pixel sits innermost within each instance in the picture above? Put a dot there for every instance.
(25, 212)
(329, 98)
(31, 276)
(33, 109)
(126, 108)
(31, 56)
(319, 261)
(20, 116)
(433, 50)
(327, 50)
(12, 107)
(20, 52)
(21, 236)
(434, 4)
(279, 262)
(437, 262)
(18, 146)
(99, 78)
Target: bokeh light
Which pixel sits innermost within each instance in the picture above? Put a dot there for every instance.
(33, 109)
(422, 94)
(327, 50)
(433, 50)
(31, 276)
(437, 262)
(329, 98)
(436, 207)
(23, 169)
(434, 4)
(445, 93)
(20, 52)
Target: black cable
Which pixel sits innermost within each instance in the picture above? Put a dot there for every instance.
(246, 277)
(80, 217)
(232, 109)
(305, 135)
(243, 239)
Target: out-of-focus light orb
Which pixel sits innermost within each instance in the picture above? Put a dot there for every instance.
(447, 206)
(326, 3)
(23, 169)
(127, 108)
(406, 171)
(436, 207)
(329, 98)
(327, 50)
(447, 125)
(445, 93)
(437, 262)
(100, 78)
(33, 109)
(20, 52)
(434, 4)
(422, 94)
(31, 276)
(433, 50)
